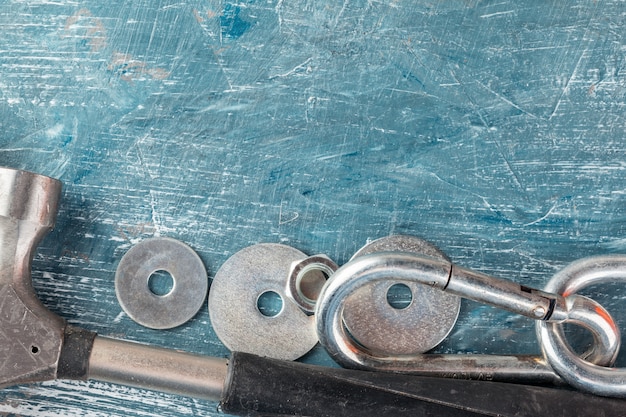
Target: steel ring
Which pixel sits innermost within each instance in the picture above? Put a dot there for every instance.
(583, 375)
(190, 283)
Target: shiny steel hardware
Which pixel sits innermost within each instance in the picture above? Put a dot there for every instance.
(161, 311)
(306, 280)
(37, 345)
(577, 372)
(409, 329)
(237, 292)
(444, 276)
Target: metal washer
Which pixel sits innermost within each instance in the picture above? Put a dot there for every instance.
(234, 312)
(383, 329)
(161, 311)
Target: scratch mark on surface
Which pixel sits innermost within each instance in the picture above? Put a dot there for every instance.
(486, 125)
(616, 244)
(217, 51)
(293, 70)
(507, 101)
(476, 108)
(142, 164)
(119, 317)
(483, 198)
(471, 100)
(343, 9)
(513, 173)
(156, 219)
(294, 216)
(26, 150)
(277, 9)
(407, 43)
(572, 75)
(486, 16)
(565, 90)
(419, 93)
(554, 206)
(222, 68)
(333, 156)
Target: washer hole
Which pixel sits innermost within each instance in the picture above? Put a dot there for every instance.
(399, 296)
(34, 349)
(161, 283)
(270, 304)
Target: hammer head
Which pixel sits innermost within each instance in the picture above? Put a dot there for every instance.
(31, 336)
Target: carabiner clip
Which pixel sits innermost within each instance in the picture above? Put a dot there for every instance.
(443, 275)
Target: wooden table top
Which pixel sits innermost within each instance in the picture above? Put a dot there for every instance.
(493, 129)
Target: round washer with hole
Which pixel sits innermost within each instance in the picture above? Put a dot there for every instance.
(170, 309)
(237, 291)
(417, 326)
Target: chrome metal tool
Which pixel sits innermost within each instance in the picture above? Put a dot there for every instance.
(577, 372)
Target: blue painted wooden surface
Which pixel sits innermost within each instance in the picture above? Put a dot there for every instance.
(493, 129)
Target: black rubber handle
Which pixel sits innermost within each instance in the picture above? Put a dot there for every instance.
(267, 387)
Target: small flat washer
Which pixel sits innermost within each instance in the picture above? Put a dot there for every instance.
(234, 310)
(190, 283)
(419, 327)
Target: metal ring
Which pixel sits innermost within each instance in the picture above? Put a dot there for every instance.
(161, 311)
(574, 370)
(306, 299)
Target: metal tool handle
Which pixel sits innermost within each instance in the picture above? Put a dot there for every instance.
(157, 369)
(250, 385)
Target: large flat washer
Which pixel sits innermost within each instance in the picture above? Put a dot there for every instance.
(161, 311)
(383, 329)
(233, 304)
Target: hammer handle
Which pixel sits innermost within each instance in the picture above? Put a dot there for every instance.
(249, 385)
(157, 369)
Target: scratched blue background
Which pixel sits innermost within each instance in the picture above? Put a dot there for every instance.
(492, 128)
